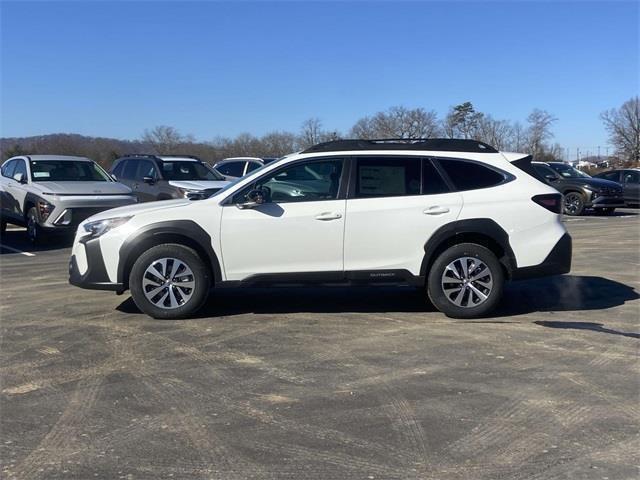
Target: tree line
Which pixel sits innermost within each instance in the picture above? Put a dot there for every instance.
(534, 136)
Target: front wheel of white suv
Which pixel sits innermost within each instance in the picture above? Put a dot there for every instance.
(465, 281)
(169, 281)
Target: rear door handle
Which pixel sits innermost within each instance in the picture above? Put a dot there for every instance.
(436, 210)
(325, 216)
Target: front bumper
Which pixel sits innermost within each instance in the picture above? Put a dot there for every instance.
(95, 275)
(557, 262)
(607, 201)
(70, 210)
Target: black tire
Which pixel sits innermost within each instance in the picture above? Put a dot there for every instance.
(607, 211)
(444, 301)
(198, 294)
(573, 204)
(34, 230)
(3, 226)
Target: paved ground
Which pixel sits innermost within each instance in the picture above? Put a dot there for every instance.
(326, 384)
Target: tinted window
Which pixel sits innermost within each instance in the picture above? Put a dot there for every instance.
(117, 170)
(613, 176)
(387, 176)
(233, 169)
(185, 170)
(543, 171)
(432, 181)
(129, 171)
(67, 171)
(251, 166)
(146, 168)
(470, 176)
(7, 168)
(632, 177)
(20, 167)
(303, 182)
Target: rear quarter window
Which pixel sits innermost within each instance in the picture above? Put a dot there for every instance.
(469, 175)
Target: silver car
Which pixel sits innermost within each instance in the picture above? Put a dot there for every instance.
(54, 193)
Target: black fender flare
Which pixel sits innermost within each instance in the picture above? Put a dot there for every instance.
(465, 230)
(186, 232)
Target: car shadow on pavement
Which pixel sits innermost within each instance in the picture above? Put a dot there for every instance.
(563, 293)
(596, 327)
(17, 240)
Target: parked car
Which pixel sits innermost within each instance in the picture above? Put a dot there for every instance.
(153, 177)
(580, 190)
(236, 167)
(629, 178)
(454, 217)
(54, 193)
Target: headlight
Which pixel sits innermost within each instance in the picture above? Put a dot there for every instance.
(45, 209)
(100, 227)
(192, 194)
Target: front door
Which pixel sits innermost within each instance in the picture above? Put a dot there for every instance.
(631, 183)
(298, 230)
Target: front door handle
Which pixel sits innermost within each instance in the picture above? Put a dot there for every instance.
(436, 210)
(328, 216)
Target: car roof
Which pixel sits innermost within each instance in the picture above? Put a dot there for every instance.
(63, 158)
(166, 158)
(240, 159)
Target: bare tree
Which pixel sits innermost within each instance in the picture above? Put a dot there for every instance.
(165, 140)
(310, 132)
(277, 144)
(539, 130)
(497, 133)
(397, 122)
(623, 125)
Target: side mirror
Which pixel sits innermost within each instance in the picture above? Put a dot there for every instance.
(254, 199)
(20, 178)
(113, 176)
(149, 180)
(551, 178)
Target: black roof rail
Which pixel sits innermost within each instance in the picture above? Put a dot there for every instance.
(434, 144)
(152, 155)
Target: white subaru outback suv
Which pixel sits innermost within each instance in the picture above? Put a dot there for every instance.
(455, 217)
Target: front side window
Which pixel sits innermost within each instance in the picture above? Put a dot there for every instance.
(146, 168)
(233, 169)
(302, 182)
(117, 171)
(613, 176)
(251, 166)
(543, 171)
(632, 177)
(183, 170)
(129, 169)
(67, 171)
(7, 168)
(21, 167)
(387, 176)
(469, 175)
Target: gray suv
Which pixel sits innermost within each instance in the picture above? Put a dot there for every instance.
(54, 193)
(154, 177)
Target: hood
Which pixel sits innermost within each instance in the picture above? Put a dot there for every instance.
(593, 182)
(198, 184)
(82, 188)
(136, 209)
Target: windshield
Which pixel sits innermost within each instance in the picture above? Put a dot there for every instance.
(182, 170)
(567, 171)
(67, 171)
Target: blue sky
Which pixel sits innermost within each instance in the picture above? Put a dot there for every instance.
(222, 68)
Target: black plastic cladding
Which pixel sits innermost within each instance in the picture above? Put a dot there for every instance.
(431, 144)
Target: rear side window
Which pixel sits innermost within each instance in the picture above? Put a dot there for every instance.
(251, 166)
(7, 168)
(432, 181)
(631, 177)
(470, 176)
(387, 176)
(129, 170)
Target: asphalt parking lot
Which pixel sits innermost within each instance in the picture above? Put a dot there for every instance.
(325, 384)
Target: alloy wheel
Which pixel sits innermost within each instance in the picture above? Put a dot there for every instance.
(467, 282)
(168, 283)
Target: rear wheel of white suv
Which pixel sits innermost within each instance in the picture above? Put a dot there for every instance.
(465, 281)
(169, 281)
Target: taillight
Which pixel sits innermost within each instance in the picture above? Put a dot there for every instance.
(550, 201)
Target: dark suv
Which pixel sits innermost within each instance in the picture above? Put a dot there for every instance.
(154, 177)
(630, 180)
(580, 190)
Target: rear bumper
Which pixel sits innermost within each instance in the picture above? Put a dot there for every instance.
(557, 262)
(95, 277)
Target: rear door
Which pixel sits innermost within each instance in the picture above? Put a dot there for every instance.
(7, 201)
(395, 204)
